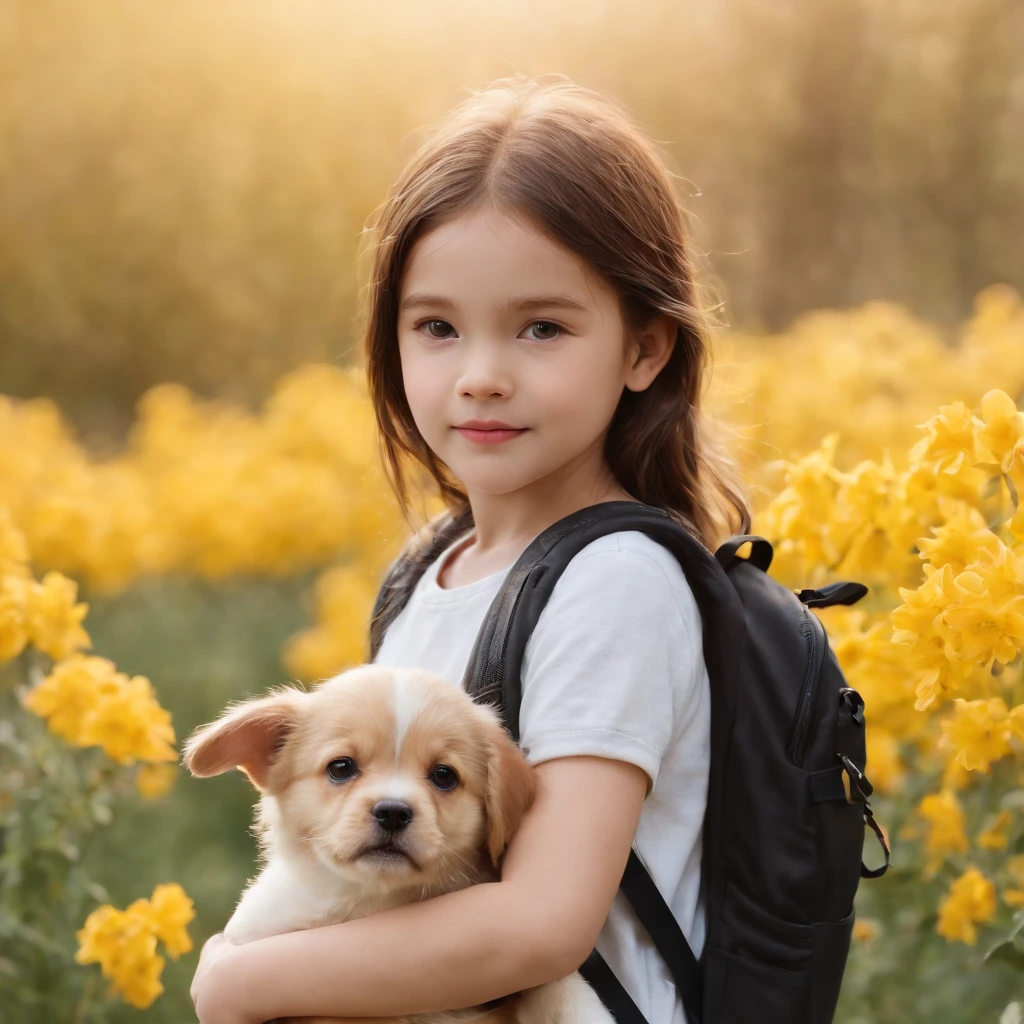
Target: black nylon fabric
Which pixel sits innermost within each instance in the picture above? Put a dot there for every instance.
(781, 847)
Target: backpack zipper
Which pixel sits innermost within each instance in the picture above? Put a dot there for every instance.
(812, 630)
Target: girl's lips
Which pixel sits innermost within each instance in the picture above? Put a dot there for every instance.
(495, 435)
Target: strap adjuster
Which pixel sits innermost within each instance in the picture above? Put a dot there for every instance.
(857, 781)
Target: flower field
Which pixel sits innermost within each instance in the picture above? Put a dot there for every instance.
(222, 550)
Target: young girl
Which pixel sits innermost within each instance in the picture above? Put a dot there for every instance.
(534, 341)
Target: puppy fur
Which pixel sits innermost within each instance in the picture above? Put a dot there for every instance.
(380, 787)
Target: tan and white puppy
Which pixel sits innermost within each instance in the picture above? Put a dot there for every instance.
(379, 787)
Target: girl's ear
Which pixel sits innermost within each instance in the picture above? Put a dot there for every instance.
(511, 785)
(650, 350)
(247, 736)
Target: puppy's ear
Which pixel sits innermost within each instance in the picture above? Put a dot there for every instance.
(510, 789)
(246, 736)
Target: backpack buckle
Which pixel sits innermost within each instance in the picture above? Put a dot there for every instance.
(855, 702)
(857, 781)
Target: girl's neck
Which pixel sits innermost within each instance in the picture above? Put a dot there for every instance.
(505, 524)
(500, 523)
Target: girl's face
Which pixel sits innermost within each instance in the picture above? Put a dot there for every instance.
(514, 353)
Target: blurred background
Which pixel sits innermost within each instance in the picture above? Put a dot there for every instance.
(182, 190)
(183, 194)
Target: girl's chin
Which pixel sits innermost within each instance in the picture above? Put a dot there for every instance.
(492, 488)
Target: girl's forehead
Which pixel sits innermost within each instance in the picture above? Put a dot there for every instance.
(487, 254)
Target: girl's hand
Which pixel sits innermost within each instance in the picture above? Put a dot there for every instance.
(210, 993)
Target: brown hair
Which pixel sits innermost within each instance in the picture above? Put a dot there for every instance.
(574, 164)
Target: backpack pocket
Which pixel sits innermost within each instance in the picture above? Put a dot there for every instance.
(831, 948)
(773, 971)
(740, 990)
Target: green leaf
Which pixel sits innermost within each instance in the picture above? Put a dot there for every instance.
(1007, 952)
(97, 892)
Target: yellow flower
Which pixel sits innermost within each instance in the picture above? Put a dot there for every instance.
(958, 622)
(13, 628)
(69, 694)
(1016, 474)
(172, 910)
(345, 596)
(950, 442)
(946, 833)
(138, 980)
(1003, 429)
(979, 732)
(100, 936)
(985, 626)
(13, 548)
(130, 725)
(888, 772)
(993, 836)
(955, 776)
(53, 617)
(153, 781)
(919, 621)
(89, 703)
(1014, 868)
(971, 900)
(959, 541)
(864, 930)
(123, 943)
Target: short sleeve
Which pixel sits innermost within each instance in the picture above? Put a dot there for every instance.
(611, 667)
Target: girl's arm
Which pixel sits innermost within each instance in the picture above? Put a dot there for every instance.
(537, 924)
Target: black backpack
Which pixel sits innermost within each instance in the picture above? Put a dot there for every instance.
(787, 796)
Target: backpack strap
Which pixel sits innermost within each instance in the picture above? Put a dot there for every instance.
(761, 551)
(495, 664)
(493, 675)
(617, 1001)
(654, 914)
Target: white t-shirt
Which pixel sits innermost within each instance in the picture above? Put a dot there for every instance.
(615, 668)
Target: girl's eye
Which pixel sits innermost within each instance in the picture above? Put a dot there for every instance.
(438, 329)
(549, 331)
(341, 769)
(443, 776)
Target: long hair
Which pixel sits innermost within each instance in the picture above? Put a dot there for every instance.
(574, 164)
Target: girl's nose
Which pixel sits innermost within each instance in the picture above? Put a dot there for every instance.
(484, 374)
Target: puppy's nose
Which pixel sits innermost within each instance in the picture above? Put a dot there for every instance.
(392, 815)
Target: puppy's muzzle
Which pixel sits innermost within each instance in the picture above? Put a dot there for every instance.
(392, 815)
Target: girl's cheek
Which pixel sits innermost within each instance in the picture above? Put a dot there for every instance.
(426, 402)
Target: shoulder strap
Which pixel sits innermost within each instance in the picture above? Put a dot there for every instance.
(495, 664)
(493, 675)
(616, 999)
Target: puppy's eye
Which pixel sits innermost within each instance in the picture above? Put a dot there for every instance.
(341, 769)
(443, 776)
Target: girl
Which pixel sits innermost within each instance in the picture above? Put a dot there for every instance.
(534, 341)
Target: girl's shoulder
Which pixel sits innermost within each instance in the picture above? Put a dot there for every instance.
(630, 575)
(614, 667)
(632, 546)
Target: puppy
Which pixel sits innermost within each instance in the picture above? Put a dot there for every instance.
(380, 787)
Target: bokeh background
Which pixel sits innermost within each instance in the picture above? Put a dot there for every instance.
(183, 195)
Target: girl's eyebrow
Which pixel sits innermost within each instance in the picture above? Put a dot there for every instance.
(527, 302)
